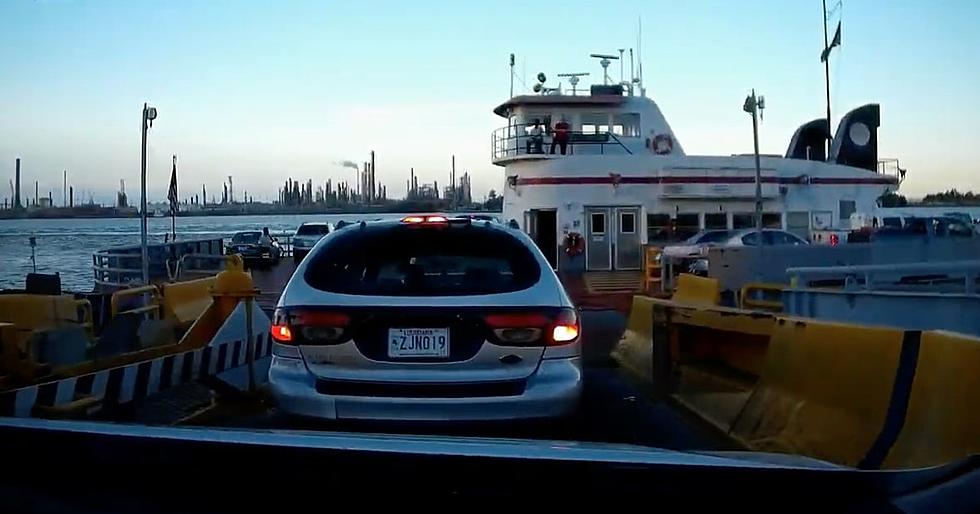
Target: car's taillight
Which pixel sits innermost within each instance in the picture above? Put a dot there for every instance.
(565, 329)
(834, 239)
(282, 334)
(310, 327)
(534, 328)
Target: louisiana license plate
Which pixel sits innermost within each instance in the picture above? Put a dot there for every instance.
(418, 342)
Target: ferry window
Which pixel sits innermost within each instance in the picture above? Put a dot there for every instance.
(603, 129)
(617, 129)
(598, 223)
(715, 220)
(627, 222)
(658, 227)
(629, 124)
(686, 225)
(743, 220)
(772, 220)
(588, 129)
(847, 207)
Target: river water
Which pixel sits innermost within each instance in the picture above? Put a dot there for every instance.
(66, 246)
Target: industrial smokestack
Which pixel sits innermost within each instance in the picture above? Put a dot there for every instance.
(71, 196)
(35, 193)
(17, 204)
(373, 183)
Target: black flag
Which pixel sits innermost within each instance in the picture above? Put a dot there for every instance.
(835, 42)
(172, 194)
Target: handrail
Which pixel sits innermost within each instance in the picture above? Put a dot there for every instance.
(512, 141)
(143, 290)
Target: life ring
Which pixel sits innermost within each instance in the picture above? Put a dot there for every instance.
(574, 244)
(662, 144)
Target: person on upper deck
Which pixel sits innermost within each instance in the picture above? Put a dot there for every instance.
(536, 138)
(561, 136)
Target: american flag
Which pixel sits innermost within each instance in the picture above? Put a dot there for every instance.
(172, 194)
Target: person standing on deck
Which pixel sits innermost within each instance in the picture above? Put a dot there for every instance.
(265, 240)
(561, 136)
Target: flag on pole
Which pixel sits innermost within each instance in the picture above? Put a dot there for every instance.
(834, 42)
(172, 194)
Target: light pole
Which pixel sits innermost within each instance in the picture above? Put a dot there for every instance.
(149, 114)
(752, 106)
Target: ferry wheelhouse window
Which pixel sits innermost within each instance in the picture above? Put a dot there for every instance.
(715, 221)
(627, 125)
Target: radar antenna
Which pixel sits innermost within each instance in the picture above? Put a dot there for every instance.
(573, 79)
(604, 61)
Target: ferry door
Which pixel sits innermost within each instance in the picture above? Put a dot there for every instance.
(598, 239)
(542, 226)
(627, 222)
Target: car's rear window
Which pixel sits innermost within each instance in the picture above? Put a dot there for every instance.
(715, 236)
(422, 261)
(312, 230)
(248, 238)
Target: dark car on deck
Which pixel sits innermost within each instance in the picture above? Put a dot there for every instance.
(246, 244)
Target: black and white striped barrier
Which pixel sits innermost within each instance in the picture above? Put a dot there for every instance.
(225, 357)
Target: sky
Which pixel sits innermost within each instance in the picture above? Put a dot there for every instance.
(268, 90)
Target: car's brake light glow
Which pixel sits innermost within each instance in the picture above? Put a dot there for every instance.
(564, 333)
(282, 333)
(566, 327)
(433, 219)
(834, 239)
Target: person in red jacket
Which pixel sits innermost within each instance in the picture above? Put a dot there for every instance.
(561, 135)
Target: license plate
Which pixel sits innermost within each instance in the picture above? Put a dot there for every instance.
(418, 342)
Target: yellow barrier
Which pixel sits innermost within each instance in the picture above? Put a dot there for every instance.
(184, 302)
(152, 300)
(695, 290)
(652, 281)
(32, 311)
(633, 352)
(942, 421)
(824, 391)
(747, 301)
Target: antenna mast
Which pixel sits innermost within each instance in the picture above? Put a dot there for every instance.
(621, 50)
(604, 61)
(573, 79)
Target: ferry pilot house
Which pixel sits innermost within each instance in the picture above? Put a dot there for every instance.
(594, 176)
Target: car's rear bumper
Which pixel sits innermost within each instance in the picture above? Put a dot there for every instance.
(552, 391)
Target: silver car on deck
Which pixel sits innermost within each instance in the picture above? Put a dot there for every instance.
(426, 318)
(307, 236)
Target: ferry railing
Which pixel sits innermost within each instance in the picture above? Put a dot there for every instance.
(514, 141)
(957, 277)
(891, 167)
(120, 267)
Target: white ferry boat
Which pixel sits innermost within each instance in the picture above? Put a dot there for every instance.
(625, 179)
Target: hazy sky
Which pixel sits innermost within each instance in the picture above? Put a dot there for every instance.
(269, 90)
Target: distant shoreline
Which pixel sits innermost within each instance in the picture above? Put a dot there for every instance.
(231, 212)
